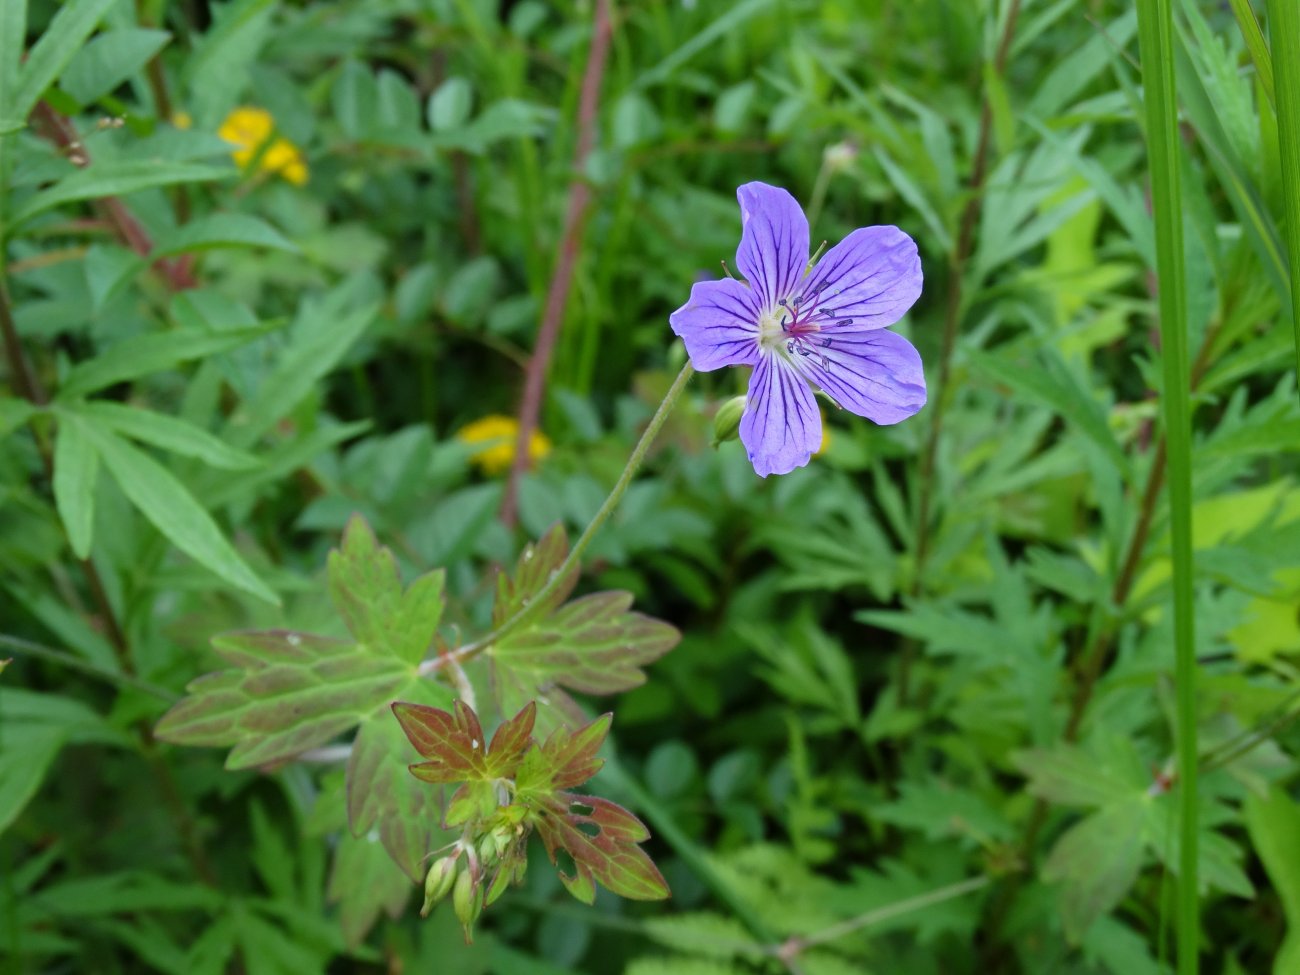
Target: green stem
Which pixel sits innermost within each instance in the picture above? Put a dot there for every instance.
(571, 562)
(1155, 37)
(1284, 37)
(883, 914)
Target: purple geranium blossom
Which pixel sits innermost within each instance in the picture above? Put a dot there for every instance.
(801, 328)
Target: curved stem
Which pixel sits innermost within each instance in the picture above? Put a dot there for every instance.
(558, 577)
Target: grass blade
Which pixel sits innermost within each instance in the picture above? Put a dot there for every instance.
(1284, 35)
(1156, 44)
(1255, 44)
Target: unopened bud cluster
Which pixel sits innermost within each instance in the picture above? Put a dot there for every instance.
(478, 869)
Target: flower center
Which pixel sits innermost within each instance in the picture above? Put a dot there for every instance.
(794, 325)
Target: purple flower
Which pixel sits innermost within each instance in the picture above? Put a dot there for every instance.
(803, 329)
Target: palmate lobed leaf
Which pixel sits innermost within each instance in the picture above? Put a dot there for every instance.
(601, 837)
(289, 692)
(366, 589)
(567, 758)
(455, 746)
(592, 644)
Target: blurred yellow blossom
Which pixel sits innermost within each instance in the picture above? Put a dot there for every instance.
(251, 129)
(182, 119)
(498, 433)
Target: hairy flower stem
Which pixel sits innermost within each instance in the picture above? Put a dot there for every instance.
(571, 562)
(953, 313)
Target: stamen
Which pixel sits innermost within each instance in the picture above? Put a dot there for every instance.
(789, 346)
(826, 343)
(727, 271)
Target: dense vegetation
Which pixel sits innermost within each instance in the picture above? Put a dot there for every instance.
(276, 278)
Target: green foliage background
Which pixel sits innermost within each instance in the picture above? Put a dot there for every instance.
(924, 685)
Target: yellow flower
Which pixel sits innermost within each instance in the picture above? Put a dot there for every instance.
(182, 119)
(252, 129)
(498, 434)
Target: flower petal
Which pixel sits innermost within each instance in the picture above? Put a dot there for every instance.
(782, 425)
(872, 276)
(773, 248)
(874, 374)
(719, 325)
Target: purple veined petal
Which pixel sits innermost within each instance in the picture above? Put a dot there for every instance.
(782, 425)
(872, 276)
(773, 250)
(874, 374)
(719, 325)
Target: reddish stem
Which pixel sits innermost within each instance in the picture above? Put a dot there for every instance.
(570, 242)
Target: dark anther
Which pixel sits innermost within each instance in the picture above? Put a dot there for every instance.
(789, 346)
(826, 343)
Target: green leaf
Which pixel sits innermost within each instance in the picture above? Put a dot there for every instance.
(13, 413)
(76, 470)
(110, 59)
(59, 43)
(146, 354)
(449, 105)
(173, 511)
(13, 36)
(116, 177)
(222, 230)
(1056, 388)
(323, 334)
(1097, 861)
(1274, 826)
(366, 589)
(567, 758)
(363, 883)
(382, 794)
(1069, 776)
(288, 692)
(168, 433)
(27, 754)
(592, 644)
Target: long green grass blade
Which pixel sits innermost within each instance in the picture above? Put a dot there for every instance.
(1284, 36)
(1255, 44)
(1156, 43)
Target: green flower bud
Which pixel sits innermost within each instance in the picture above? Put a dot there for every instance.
(467, 899)
(438, 882)
(726, 422)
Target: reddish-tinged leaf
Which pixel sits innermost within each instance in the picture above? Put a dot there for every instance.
(382, 795)
(510, 742)
(366, 587)
(593, 644)
(610, 856)
(291, 692)
(455, 746)
(566, 759)
(533, 569)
